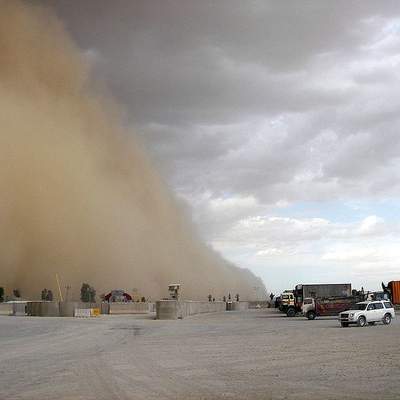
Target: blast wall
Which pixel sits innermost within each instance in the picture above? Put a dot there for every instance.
(240, 306)
(172, 309)
(43, 308)
(130, 308)
(5, 309)
(67, 308)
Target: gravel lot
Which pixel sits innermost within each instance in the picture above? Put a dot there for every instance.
(235, 355)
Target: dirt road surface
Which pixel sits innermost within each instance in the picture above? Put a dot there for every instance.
(234, 355)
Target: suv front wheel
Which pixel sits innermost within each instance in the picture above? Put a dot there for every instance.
(361, 321)
(387, 319)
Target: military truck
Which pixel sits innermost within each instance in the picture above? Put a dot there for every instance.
(321, 290)
(286, 301)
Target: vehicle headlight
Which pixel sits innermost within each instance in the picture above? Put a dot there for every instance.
(351, 315)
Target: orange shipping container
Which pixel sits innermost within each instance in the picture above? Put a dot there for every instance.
(394, 287)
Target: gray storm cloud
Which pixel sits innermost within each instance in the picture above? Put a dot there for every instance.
(78, 196)
(264, 98)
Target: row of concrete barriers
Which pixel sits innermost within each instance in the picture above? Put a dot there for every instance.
(69, 309)
(165, 309)
(179, 309)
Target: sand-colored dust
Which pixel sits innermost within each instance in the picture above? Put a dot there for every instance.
(77, 195)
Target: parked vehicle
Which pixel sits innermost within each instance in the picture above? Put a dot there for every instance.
(330, 306)
(287, 303)
(368, 312)
(316, 291)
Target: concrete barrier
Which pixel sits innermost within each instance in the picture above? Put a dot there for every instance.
(13, 308)
(200, 307)
(172, 309)
(19, 308)
(67, 308)
(129, 308)
(5, 309)
(240, 305)
(105, 308)
(167, 309)
(43, 308)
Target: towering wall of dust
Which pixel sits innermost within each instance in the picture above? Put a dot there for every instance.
(77, 196)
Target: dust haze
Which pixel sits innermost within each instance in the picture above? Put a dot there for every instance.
(77, 195)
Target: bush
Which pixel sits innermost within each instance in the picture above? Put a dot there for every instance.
(88, 293)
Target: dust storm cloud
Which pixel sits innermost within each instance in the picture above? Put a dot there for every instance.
(77, 195)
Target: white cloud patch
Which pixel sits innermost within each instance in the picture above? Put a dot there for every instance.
(361, 247)
(372, 225)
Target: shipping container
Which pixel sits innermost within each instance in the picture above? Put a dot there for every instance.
(394, 287)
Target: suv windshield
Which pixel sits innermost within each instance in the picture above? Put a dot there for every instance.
(360, 306)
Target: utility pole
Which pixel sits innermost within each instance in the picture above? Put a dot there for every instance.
(59, 288)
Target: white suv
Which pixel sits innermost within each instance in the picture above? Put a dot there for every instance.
(368, 312)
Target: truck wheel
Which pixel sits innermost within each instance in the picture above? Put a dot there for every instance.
(345, 324)
(361, 321)
(291, 312)
(311, 315)
(387, 319)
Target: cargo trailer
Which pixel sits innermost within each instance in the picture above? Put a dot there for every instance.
(320, 290)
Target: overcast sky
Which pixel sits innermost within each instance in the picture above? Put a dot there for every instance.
(277, 121)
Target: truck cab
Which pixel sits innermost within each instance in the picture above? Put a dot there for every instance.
(287, 303)
(308, 308)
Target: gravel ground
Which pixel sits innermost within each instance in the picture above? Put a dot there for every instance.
(235, 355)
